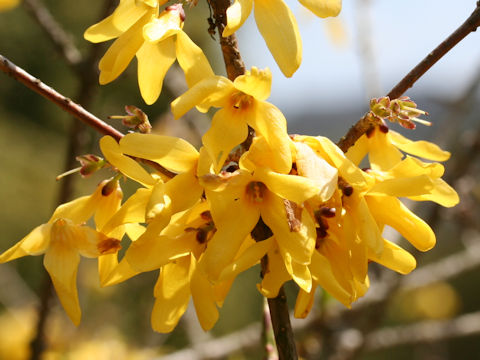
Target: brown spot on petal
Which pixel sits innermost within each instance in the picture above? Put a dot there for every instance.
(109, 246)
(294, 215)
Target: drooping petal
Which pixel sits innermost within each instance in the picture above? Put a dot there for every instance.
(299, 272)
(268, 121)
(61, 262)
(203, 299)
(247, 259)
(172, 153)
(390, 211)
(358, 151)
(304, 302)
(122, 51)
(366, 226)
(323, 8)
(212, 91)
(442, 194)
(395, 258)
(383, 155)
(275, 276)
(183, 191)
(172, 294)
(192, 60)
(78, 210)
(112, 272)
(232, 230)
(295, 237)
(154, 60)
(228, 130)
(402, 187)
(255, 82)
(423, 149)
(237, 13)
(125, 15)
(129, 167)
(278, 26)
(35, 243)
(322, 275)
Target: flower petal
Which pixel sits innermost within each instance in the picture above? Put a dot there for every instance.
(203, 299)
(154, 60)
(172, 294)
(255, 82)
(304, 302)
(125, 15)
(278, 26)
(323, 8)
(423, 149)
(442, 194)
(394, 258)
(383, 155)
(122, 51)
(275, 276)
(129, 167)
(172, 153)
(390, 211)
(35, 243)
(268, 121)
(113, 272)
(237, 13)
(228, 130)
(212, 91)
(61, 262)
(192, 60)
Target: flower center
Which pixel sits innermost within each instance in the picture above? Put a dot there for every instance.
(241, 100)
(255, 191)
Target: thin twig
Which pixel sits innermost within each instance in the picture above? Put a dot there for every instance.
(362, 126)
(65, 103)
(62, 41)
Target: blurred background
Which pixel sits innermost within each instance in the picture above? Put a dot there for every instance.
(434, 313)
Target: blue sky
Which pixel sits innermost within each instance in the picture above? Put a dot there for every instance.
(402, 33)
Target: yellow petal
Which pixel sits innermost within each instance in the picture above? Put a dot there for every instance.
(113, 272)
(163, 27)
(383, 155)
(212, 91)
(107, 206)
(394, 258)
(295, 188)
(367, 228)
(172, 294)
(35, 243)
(322, 275)
(154, 60)
(122, 51)
(8, 4)
(304, 302)
(247, 259)
(296, 242)
(129, 167)
(441, 193)
(172, 153)
(275, 276)
(390, 211)
(203, 299)
(268, 121)
(237, 13)
(61, 262)
(183, 191)
(317, 169)
(255, 82)
(299, 272)
(279, 28)
(358, 151)
(192, 60)
(78, 210)
(228, 129)
(125, 15)
(423, 149)
(323, 8)
(417, 185)
(232, 230)
(132, 211)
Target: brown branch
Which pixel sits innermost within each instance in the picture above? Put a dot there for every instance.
(61, 39)
(362, 126)
(65, 103)
(470, 25)
(231, 55)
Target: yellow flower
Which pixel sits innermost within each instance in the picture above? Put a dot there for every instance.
(63, 239)
(8, 4)
(242, 105)
(156, 40)
(278, 26)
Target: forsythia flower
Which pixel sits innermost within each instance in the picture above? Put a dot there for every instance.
(242, 104)
(156, 40)
(278, 26)
(63, 239)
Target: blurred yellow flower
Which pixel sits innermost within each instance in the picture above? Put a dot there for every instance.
(8, 4)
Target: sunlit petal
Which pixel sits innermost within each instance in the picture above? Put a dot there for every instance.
(323, 8)
(35, 243)
(237, 13)
(395, 258)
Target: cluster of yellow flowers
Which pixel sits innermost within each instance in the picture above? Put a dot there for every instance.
(196, 221)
